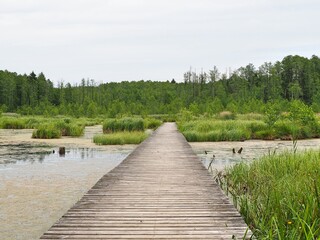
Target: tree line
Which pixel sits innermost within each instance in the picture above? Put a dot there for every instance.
(246, 89)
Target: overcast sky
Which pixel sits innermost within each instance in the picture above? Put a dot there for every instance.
(116, 40)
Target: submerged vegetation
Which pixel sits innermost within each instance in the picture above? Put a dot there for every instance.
(278, 195)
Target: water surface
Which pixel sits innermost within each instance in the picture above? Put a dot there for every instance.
(36, 189)
(222, 155)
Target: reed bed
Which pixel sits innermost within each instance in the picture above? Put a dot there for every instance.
(46, 132)
(123, 124)
(278, 195)
(202, 130)
(120, 138)
(219, 130)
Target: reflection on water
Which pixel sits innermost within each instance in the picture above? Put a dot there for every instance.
(36, 189)
(221, 154)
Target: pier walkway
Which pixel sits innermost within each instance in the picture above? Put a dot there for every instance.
(160, 191)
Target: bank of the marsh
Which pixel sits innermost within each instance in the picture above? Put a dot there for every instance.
(278, 195)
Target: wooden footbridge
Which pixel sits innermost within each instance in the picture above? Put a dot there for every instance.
(160, 191)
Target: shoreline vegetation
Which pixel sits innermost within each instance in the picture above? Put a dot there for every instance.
(299, 122)
(277, 195)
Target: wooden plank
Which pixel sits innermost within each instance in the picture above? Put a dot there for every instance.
(160, 191)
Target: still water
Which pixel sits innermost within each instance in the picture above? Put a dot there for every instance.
(221, 154)
(36, 189)
(37, 185)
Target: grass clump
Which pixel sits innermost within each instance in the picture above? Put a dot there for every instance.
(120, 138)
(12, 123)
(278, 195)
(152, 123)
(46, 132)
(226, 115)
(216, 130)
(123, 124)
(69, 129)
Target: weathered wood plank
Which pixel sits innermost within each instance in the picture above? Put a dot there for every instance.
(160, 191)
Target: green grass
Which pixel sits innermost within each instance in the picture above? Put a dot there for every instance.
(151, 123)
(69, 129)
(12, 123)
(120, 138)
(215, 129)
(278, 195)
(47, 132)
(123, 124)
(219, 130)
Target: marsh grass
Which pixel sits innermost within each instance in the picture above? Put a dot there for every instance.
(123, 124)
(12, 123)
(120, 138)
(46, 132)
(219, 130)
(69, 129)
(151, 123)
(278, 195)
(210, 129)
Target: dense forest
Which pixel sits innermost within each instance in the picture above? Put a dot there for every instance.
(243, 90)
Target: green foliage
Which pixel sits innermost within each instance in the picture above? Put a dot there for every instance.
(47, 132)
(215, 130)
(301, 113)
(245, 90)
(250, 116)
(120, 138)
(278, 195)
(12, 123)
(151, 123)
(226, 115)
(123, 124)
(272, 114)
(69, 129)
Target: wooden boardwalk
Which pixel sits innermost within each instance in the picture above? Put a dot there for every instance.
(160, 191)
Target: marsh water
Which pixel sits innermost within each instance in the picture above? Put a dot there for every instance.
(37, 185)
(221, 153)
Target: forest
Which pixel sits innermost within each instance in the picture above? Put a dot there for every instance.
(244, 90)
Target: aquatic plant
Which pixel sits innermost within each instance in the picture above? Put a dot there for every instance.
(278, 195)
(120, 138)
(46, 132)
(151, 123)
(123, 124)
